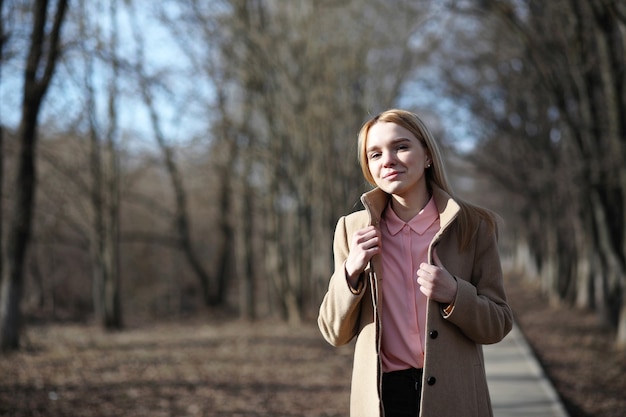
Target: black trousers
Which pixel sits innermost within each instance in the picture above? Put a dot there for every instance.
(402, 391)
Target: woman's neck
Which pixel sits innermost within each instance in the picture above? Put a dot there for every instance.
(407, 208)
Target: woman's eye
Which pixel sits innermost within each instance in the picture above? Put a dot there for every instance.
(374, 155)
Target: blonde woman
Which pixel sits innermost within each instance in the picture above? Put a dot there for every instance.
(417, 282)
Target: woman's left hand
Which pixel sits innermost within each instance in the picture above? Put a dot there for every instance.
(436, 282)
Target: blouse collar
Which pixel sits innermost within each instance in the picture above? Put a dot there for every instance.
(419, 223)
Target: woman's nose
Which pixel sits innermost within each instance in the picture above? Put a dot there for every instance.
(389, 159)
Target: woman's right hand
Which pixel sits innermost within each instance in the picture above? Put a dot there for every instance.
(366, 243)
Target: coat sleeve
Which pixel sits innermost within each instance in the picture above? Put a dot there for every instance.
(338, 318)
(480, 308)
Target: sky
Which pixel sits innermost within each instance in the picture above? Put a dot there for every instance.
(65, 100)
(182, 120)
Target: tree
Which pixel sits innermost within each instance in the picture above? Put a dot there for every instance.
(551, 90)
(288, 101)
(40, 65)
(304, 95)
(248, 196)
(591, 102)
(3, 39)
(105, 192)
(181, 221)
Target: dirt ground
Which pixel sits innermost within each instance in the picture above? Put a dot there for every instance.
(229, 368)
(176, 369)
(578, 354)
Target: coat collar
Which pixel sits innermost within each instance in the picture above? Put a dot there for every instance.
(376, 200)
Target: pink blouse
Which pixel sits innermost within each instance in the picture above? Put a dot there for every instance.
(405, 246)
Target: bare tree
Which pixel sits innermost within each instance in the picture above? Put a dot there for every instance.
(288, 85)
(105, 175)
(182, 224)
(3, 38)
(588, 100)
(550, 89)
(40, 65)
(307, 93)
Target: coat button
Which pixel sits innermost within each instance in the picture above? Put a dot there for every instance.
(431, 380)
(433, 334)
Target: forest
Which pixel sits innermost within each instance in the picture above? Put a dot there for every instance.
(182, 157)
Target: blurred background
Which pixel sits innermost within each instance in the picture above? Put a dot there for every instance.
(163, 159)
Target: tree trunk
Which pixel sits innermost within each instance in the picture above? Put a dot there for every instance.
(104, 236)
(248, 279)
(585, 265)
(38, 74)
(112, 291)
(226, 237)
(621, 328)
(3, 38)
(181, 216)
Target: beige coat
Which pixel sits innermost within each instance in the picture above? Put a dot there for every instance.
(454, 373)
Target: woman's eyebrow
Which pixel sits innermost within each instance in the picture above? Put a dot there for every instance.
(393, 142)
(400, 139)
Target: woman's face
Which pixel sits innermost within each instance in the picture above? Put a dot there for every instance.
(396, 159)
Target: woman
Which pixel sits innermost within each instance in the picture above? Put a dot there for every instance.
(417, 281)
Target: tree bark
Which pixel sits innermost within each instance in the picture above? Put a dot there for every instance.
(40, 66)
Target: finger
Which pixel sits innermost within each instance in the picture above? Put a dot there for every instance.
(368, 232)
(427, 268)
(427, 290)
(371, 244)
(424, 282)
(364, 236)
(373, 237)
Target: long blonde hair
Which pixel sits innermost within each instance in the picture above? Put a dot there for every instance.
(470, 214)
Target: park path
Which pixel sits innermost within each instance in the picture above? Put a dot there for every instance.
(517, 383)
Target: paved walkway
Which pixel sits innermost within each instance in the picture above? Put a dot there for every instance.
(517, 384)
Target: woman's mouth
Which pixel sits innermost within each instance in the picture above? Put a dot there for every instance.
(391, 175)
